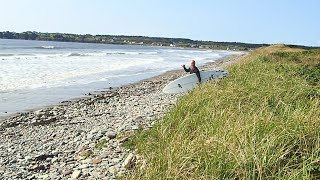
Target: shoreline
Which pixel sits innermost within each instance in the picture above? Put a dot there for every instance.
(89, 95)
(61, 140)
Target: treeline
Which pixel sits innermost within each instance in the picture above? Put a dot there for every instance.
(134, 40)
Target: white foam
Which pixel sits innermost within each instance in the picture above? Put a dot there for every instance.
(32, 76)
(22, 69)
(47, 47)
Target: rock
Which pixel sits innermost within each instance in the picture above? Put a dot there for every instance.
(85, 173)
(38, 112)
(134, 127)
(28, 158)
(2, 169)
(111, 135)
(63, 143)
(31, 177)
(40, 167)
(86, 161)
(103, 131)
(43, 176)
(83, 166)
(66, 171)
(97, 161)
(94, 131)
(43, 157)
(75, 174)
(123, 140)
(55, 159)
(83, 154)
(113, 170)
(53, 176)
(103, 155)
(96, 174)
(123, 127)
(129, 161)
(19, 174)
(98, 137)
(116, 160)
(89, 136)
(18, 156)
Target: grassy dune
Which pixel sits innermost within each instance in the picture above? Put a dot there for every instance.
(261, 122)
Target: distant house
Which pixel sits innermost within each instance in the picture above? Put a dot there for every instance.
(204, 47)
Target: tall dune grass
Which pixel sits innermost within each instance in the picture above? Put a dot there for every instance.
(261, 122)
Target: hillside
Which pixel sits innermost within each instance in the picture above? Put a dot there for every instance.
(261, 122)
(129, 40)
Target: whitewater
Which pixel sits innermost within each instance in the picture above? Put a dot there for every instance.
(40, 73)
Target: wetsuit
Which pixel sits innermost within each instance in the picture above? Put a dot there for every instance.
(195, 70)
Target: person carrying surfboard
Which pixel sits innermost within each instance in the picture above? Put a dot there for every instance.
(193, 69)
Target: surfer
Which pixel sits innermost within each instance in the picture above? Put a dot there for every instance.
(193, 69)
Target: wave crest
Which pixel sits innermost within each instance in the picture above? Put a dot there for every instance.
(48, 47)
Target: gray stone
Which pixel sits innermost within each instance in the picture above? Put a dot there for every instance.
(66, 171)
(89, 136)
(111, 135)
(54, 160)
(75, 174)
(103, 155)
(28, 158)
(32, 176)
(53, 176)
(96, 161)
(134, 127)
(38, 112)
(95, 174)
(2, 169)
(86, 161)
(116, 160)
(18, 156)
(43, 176)
(113, 170)
(129, 161)
(83, 166)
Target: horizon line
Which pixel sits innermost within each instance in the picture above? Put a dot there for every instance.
(164, 37)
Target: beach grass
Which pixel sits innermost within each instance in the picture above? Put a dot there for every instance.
(261, 122)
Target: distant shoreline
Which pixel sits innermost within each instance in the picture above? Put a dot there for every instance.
(130, 40)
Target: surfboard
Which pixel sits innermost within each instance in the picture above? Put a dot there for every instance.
(190, 81)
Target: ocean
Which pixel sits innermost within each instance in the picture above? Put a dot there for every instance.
(40, 73)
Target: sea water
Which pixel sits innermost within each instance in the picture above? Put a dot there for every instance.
(40, 73)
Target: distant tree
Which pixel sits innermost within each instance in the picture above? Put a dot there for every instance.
(118, 39)
(8, 35)
(24, 35)
(32, 35)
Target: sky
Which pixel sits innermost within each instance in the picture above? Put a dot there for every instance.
(250, 21)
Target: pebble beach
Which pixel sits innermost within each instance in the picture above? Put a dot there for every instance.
(81, 139)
